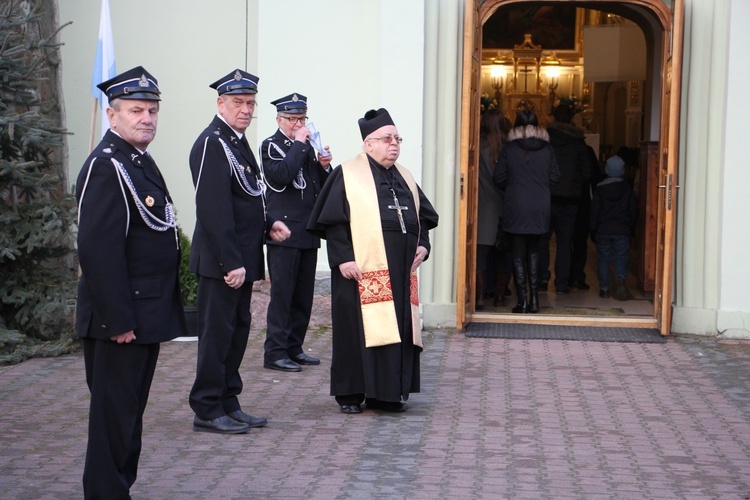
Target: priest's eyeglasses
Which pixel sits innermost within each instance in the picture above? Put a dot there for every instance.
(294, 119)
(387, 139)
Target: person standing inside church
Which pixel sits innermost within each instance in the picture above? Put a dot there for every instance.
(375, 220)
(227, 254)
(614, 215)
(580, 240)
(294, 176)
(491, 249)
(526, 171)
(573, 160)
(128, 293)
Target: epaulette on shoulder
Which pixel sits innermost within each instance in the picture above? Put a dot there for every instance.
(105, 151)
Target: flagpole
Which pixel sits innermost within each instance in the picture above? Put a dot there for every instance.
(93, 124)
(104, 69)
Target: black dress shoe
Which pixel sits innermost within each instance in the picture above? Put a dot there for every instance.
(304, 359)
(349, 409)
(241, 416)
(283, 365)
(581, 285)
(220, 425)
(395, 407)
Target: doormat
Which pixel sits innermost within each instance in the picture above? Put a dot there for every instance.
(563, 311)
(563, 332)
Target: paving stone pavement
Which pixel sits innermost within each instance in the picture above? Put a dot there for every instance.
(520, 419)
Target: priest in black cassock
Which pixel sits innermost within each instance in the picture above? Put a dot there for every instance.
(376, 221)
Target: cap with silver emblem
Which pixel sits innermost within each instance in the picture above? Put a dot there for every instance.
(292, 103)
(236, 82)
(136, 83)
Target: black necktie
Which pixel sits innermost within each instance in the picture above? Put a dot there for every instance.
(149, 160)
(248, 153)
(245, 143)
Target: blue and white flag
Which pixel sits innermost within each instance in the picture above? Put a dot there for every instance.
(104, 64)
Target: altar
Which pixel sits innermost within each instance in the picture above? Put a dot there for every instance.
(530, 77)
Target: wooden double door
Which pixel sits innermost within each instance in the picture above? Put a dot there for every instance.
(666, 20)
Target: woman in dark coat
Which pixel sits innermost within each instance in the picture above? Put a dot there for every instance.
(493, 132)
(525, 171)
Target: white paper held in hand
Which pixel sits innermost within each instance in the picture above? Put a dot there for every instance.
(315, 140)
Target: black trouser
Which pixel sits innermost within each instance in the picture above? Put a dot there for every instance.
(562, 223)
(119, 377)
(292, 274)
(223, 330)
(580, 242)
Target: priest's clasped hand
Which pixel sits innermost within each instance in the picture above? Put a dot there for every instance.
(350, 270)
(419, 257)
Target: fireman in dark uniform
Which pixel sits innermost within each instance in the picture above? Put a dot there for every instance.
(227, 254)
(294, 175)
(128, 293)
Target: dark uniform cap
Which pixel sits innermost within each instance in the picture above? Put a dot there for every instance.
(292, 103)
(373, 120)
(136, 83)
(236, 82)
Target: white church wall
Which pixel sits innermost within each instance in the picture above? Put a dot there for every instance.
(734, 309)
(346, 57)
(442, 157)
(711, 267)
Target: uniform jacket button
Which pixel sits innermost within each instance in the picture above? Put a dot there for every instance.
(104, 327)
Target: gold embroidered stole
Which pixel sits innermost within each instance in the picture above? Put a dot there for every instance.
(375, 292)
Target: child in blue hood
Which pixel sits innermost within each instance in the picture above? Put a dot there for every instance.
(614, 213)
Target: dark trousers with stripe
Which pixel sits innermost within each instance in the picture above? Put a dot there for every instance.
(292, 274)
(223, 330)
(119, 377)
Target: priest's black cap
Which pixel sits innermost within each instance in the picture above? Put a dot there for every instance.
(373, 120)
(236, 82)
(136, 83)
(292, 103)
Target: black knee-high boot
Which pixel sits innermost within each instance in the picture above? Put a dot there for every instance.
(519, 273)
(534, 282)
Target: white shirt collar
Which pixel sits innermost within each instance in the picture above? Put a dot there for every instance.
(118, 135)
(239, 134)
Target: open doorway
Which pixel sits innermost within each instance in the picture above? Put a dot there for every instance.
(531, 55)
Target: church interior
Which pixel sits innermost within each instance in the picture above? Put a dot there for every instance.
(537, 55)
